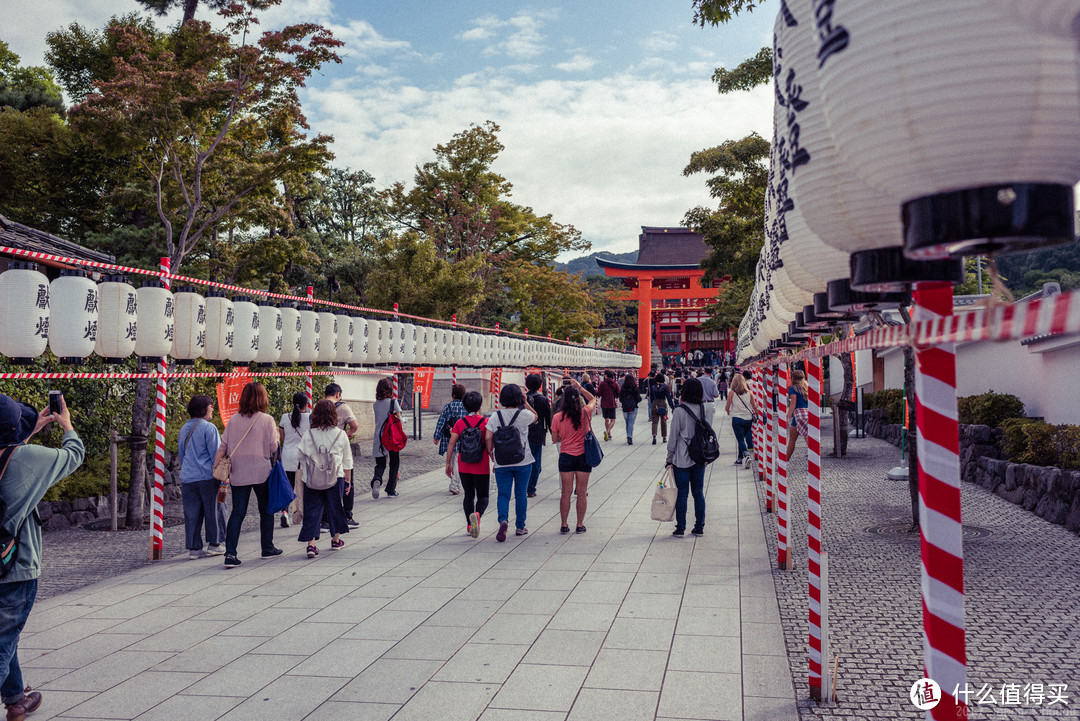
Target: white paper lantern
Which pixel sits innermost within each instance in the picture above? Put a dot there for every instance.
(189, 326)
(24, 312)
(156, 318)
(290, 334)
(423, 333)
(327, 338)
(73, 316)
(117, 319)
(245, 330)
(364, 331)
(978, 138)
(359, 349)
(219, 327)
(346, 330)
(271, 333)
(376, 342)
(309, 335)
(440, 351)
(411, 335)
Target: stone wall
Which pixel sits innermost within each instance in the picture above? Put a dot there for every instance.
(58, 515)
(1050, 492)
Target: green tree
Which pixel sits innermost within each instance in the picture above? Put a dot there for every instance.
(408, 271)
(23, 88)
(213, 127)
(547, 300)
(718, 12)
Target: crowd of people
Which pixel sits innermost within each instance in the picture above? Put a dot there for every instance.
(314, 446)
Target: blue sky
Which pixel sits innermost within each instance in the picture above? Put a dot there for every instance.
(600, 103)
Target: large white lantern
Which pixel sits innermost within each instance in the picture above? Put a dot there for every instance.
(73, 316)
(24, 312)
(245, 331)
(327, 338)
(290, 334)
(359, 349)
(271, 333)
(346, 329)
(411, 336)
(978, 138)
(395, 339)
(219, 327)
(117, 319)
(156, 318)
(423, 350)
(189, 326)
(365, 332)
(309, 335)
(376, 341)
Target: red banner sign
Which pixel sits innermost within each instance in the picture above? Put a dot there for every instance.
(228, 395)
(425, 377)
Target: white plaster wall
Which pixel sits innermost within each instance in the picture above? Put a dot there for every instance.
(1047, 383)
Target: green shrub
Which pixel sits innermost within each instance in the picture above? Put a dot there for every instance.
(891, 399)
(989, 409)
(1026, 440)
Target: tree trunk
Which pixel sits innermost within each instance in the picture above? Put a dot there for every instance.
(140, 423)
(189, 10)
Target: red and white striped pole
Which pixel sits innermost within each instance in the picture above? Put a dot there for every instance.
(307, 379)
(453, 369)
(495, 400)
(937, 441)
(813, 517)
(770, 438)
(781, 469)
(157, 502)
(395, 365)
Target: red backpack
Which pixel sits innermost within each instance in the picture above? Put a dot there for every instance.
(392, 437)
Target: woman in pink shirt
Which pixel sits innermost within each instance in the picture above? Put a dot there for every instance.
(250, 440)
(569, 427)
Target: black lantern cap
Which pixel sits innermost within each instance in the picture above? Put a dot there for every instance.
(843, 298)
(823, 312)
(888, 270)
(994, 218)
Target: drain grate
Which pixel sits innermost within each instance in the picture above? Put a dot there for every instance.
(903, 531)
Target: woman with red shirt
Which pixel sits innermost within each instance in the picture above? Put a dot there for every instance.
(569, 426)
(475, 477)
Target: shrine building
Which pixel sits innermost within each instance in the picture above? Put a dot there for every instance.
(672, 303)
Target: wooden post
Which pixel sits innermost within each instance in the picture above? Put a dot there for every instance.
(113, 440)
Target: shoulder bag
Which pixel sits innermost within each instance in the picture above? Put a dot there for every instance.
(223, 467)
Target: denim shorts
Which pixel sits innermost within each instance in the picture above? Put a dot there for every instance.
(571, 464)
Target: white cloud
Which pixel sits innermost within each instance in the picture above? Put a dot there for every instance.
(577, 64)
(603, 155)
(660, 42)
(518, 36)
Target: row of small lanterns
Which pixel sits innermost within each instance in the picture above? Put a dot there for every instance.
(906, 136)
(74, 317)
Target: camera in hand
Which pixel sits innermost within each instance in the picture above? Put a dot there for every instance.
(56, 406)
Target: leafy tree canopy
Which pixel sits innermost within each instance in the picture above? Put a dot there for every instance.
(28, 87)
(718, 12)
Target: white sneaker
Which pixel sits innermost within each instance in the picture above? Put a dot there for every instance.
(215, 550)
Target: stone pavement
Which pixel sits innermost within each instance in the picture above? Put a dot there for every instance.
(77, 557)
(415, 620)
(1021, 580)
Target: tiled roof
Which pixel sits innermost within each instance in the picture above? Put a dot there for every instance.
(17, 235)
(670, 246)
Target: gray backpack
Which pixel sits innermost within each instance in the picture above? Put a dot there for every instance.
(322, 467)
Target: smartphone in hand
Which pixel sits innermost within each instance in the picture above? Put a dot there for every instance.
(56, 405)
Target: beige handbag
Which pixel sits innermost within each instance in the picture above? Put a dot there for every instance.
(224, 465)
(663, 503)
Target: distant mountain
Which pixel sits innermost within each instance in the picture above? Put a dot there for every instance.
(586, 265)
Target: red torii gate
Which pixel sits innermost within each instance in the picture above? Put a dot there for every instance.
(648, 283)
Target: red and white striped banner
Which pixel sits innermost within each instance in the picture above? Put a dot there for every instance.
(813, 517)
(755, 429)
(1054, 315)
(395, 396)
(157, 502)
(942, 541)
(781, 467)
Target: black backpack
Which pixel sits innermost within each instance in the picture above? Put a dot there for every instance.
(470, 444)
(9, 542)
(629, 402)
(506, 439)
(703, 448)
(537, 429)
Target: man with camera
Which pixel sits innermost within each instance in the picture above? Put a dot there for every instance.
(26, 473)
